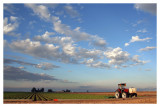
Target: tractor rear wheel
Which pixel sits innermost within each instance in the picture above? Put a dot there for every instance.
(117, 94)
(124, 95)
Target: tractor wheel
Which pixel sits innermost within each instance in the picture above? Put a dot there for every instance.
(134, 95)
(117, 94)
(124, 95)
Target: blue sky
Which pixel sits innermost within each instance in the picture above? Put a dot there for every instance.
(79, 46)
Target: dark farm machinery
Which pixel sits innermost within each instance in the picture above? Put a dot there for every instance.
(123, 92)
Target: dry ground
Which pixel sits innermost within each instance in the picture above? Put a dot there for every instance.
(144, 98)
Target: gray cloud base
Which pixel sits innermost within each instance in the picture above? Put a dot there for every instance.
(13, 73)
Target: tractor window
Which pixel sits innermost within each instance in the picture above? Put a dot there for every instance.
(120, 86)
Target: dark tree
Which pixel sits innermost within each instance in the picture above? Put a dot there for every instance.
(42, 90)
(33, 89)
(68, 90)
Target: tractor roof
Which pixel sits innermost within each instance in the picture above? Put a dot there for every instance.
(124, 84)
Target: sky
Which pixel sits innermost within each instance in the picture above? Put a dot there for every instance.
(79, 46)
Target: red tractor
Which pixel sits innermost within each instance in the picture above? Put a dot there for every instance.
(123, 92)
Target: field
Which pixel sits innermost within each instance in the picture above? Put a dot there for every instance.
(77, 98)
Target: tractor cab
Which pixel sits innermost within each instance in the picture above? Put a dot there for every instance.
(122, 86)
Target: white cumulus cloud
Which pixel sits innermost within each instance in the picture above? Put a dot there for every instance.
(10, 27)
(40, 10)
(66, 30)
(126, 44)
(63, 48)
(65, 42)
(137, 39)
(78, 55)
(76, 34)
(116, 56)
(35, 48)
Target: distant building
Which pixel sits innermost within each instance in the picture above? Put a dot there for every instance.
(50, 90)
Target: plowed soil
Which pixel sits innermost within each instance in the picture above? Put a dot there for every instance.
(143, 98)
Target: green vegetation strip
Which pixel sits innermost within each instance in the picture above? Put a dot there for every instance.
(74, 96)
(50, 96)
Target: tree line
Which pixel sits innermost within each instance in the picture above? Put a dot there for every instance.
(49, 90)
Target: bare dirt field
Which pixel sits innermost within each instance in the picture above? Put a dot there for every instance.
(149, 97)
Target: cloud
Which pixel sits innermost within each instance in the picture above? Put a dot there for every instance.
(68, 46)
(86, 53)
(76, 34)
(66, 30)
(95, 64)
(45, 37)
(116, 56)
(142, 31)
(40, 10)
(137, 39)
(71, 11)
(43, 12)
(135, 59)
(9, 28)
(69, 49)
(80, 55)
(36, 49)
(10, 61)
(46, 66)
(97, 41)
(64, 49)
(147, 48)
(126, 44)
(120, 58)
(43, 65)
(150, 8)
(13, 73)
(13, 19)
(65, 42)
(63, 53)
(9, 8)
